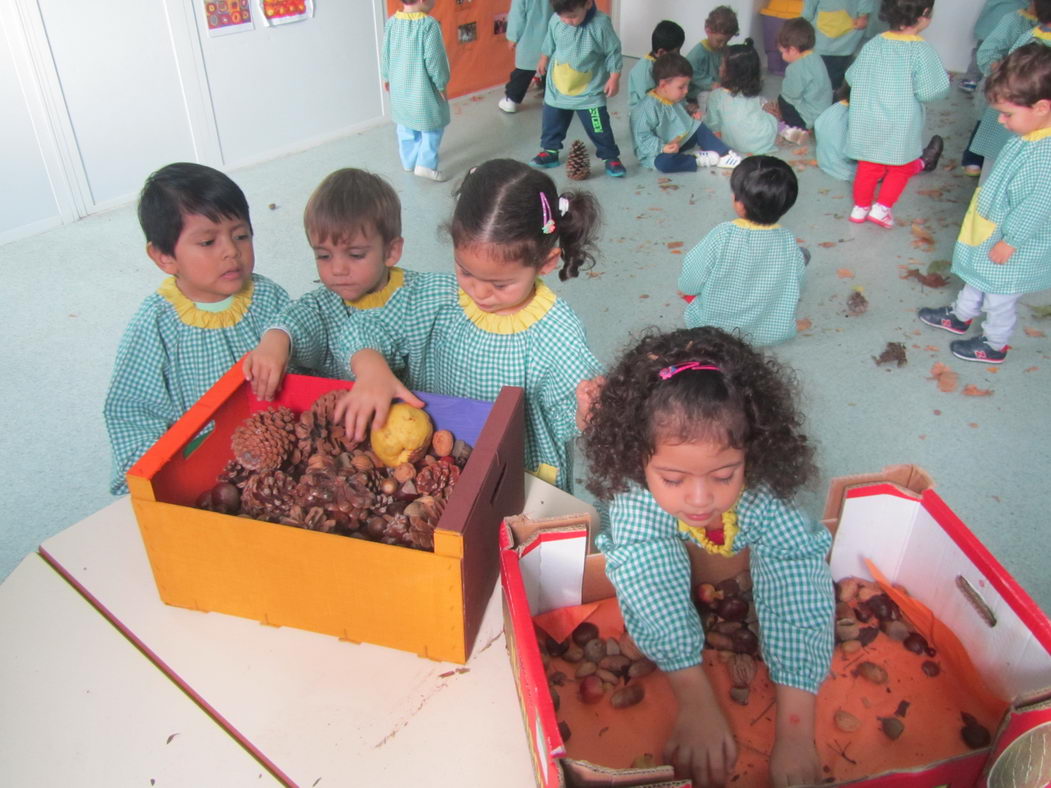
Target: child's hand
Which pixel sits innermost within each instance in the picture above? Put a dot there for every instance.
(697, 114)
(1001, 252)
(671, 147)
(861, 22)
(773, 109)
(612, 85)
(701, 746)
(541, 65)
(587, 393)
(367, 404)
(386, 86)
(265, 366)
(794, 762)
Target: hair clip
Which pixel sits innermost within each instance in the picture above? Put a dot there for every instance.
(548, 225)
(675, 369)
(563, 206)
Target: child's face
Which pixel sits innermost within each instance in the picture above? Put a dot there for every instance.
(696, 481)
(674, 89)
(575, 18)
(716, 40)
(356, 266)
(789, 54)
(497, 286)
(211, 260)
(1021, 119)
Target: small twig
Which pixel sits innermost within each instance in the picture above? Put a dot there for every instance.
(762, 714)
(842, 752)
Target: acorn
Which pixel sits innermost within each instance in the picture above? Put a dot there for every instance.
(745, 641)
(867, 634)
(872, 672)
(627, 696)
(916, 643)
(846, 721)
(974, 734)
(584, 632)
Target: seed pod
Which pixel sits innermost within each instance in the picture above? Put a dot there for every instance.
(867, 634)
(591, 689)
(742, 670)
(617, 664)
(847, 589)
(586, 668)
(846, 721)
(573, 653)
(974, 733)
(932, 669)
(850, 646)
(442, 443)
(847, 629)
(627, 696)
(739, 695)
(916, 643)
(564, 731)
(892, 727)
(584, 632)
(595, 650)
(628, 647)
(640, 668)
(872, 672)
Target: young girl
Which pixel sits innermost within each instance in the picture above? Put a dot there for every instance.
(494, 323)
(696, 440)
(735, 108)
(895, 74)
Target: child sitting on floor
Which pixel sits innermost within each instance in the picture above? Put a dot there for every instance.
(662, 131)
(735, 108)
(667, 37)
(840, 28)
(806, 90)
(707, 56)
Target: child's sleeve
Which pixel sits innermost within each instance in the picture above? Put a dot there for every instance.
(610, 43)
(929, 79)
(548, 47)
(713, 114)
(1030, 214)
(434, 58)
(810, 11)
(997, 44)
(385, 54)
(698, 264)
(516, 18)
(793, 86)
(303, 322)
(644, 132)
(570, 362)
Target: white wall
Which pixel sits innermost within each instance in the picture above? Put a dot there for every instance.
(951, 31)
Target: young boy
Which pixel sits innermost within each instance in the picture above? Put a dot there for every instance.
(747, 274)
(662, 130)
(353, 223)
(840, 27)
(806, 90)
(526, 27)
(584, 55)
(990, 16)
(667, 37)
(415, 70)
(209, 312)
(706, 57)
(1004, 248)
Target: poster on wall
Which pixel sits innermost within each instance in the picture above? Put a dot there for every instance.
(228, 16)
(281, 12)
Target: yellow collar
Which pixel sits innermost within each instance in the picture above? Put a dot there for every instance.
(1039, 32)
(198, 318)
(1039, 134)
(409, 15)
(660, 98)
(1026, 14)
(649, 57)
(844, 102)
(539, 305)
(706, 45)
(749, 225)
(380, 297)
(802, 55)
(700, 534)
(890, 34)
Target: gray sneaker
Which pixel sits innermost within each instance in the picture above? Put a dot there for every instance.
(942, 317)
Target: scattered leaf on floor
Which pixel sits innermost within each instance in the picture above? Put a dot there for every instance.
(973, 425)
(857, 304)
(844, 273)
(801, 241)
(595, 274)
(1031, 369)
(924, 239)
(1033, 332)
(934, 194)
(932, 347)
(644, 295)
(675, 244)
(664, 180)
(1041, 312)
(972, 390)
(665, 187)
(827, 244)
(947, 379)
(939, 266)
(992, 370)
(893, 353)
(804, 324)
(927, 280)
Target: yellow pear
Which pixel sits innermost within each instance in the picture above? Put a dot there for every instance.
(404, 438)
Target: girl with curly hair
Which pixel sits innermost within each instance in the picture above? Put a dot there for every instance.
(695, 440)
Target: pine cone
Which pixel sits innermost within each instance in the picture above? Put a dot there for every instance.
(397, 531)
(312, 519)
(424, 514)
(578, 162)
(264, 440)
(268, 495)
(234, 473)
(437, 478)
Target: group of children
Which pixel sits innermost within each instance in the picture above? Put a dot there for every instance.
(693, 436)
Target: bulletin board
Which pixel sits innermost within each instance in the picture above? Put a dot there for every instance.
(475, 40)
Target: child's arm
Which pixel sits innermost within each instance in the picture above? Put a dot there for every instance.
(794, 760)
(930, 81)
(701, 747)
(644, 132)
(434, 58)
(366, 405)
(1029, 216)
(265, 366)
(794, 85)
(547, 49)
(699, 262)
(996, 45)
(516, 19)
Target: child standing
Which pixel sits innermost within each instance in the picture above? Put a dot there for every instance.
(991, 14)
(1004, 248)
(353, 223)
(209, 312)
(494, 323)
(526, 27)
(707, 56)
(662, 130)
(696, 440)
(840, 26)
(895, 74)
(667, 38)
(735, 108)
(583, 52)
(747, 274)
(415, 70)
(806, 91)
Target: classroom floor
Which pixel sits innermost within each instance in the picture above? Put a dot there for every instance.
(78, 285)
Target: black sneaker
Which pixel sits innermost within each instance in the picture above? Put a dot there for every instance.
(545, 159)
(978, 349)
(615, 168)
(943, 317)
(932, 153)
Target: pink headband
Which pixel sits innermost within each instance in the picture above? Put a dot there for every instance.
(675, 369)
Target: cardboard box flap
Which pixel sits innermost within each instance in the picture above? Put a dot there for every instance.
(906, 477)
(582, 774)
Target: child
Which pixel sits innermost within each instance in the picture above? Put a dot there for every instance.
(696, 439)
(840, 27)
(895, 74)
(526, 27)
(1004, 248)
(806, 91)
(415, 70)
(353, 223)
(662, 130)
(706, 57)
(991, 15)
(209, 312)
(735, 108)
(667, 38)
(584, 55)
(494, 323)
(746, 274)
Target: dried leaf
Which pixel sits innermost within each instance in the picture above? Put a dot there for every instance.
(893, 353)
(804, 324)
(939, 266)
(1033, 332)
(972, 390)
(844, 273)
(1041, 312)
(1031, 369)
(675, 244)
(934, 194)
(927, 280)
(924, 239)
(857, 304)
(947, 379)
(827, 244)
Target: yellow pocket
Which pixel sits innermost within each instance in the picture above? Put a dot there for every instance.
(976, 229)
(545, 472)
(569, 81)
(834, 23)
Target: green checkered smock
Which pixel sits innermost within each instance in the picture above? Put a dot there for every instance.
(647, 562)
(742, 123)
(413, 61)
(1013, 205)
(526, 26)
(168, 358)
(1001, 40)
(582, 60)
(314, 323)
(705, 62)
(830, 138)
(640, 81)
(745, 276)
(807, 87)
(449, 346)
(891, 79)
(991, 15)
(833, 22)
(655, 122)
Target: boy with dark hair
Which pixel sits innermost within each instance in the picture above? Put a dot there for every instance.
(806, 91)
(746, 274)
(667, 37)
(209, 312)
(706, 57)
(840, 27)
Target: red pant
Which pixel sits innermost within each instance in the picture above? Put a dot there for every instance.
(895, 177)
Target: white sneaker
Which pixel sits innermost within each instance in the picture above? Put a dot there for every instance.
(881, 215)
(507, 105)
(427, 172)
(706, 158)
(858, 214)
(730, 160)
(794, 135)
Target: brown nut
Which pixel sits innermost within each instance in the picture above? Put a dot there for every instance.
(627, 696)
(739, 695)
(892, 727)
(585, 668)
(844, 610)
(895, 630)
(867, 634)
(362, 462)
(612, 647)
(847, 589)
(574, 653)
(973, 732)
(846, 721)
(930, 668)
(584, 632)
(617, 664)
(872, 672)
(607, 676)
(591, 689)
(442, 443)
(720, 641)
(640, 668)
(847, 629)
(916, 643)
(564, 731)
(595, 650)
(389, 486)
(850, 646)
(405, 472)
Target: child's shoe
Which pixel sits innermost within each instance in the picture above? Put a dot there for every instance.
(508, 106)
(615, 168)
(730, 160)
(545, 159)
(932, 153)
(706, 158)
(968, 85)
(973, 170)
(428, 173)
(859, 213)
(978, 349)
(943, 317)
(794, 135)
(881, 215)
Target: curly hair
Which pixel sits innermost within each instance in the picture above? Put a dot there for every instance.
(748, 404)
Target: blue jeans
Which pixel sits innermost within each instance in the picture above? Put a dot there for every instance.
(418, 148)
(595, 121)
(704, 138)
